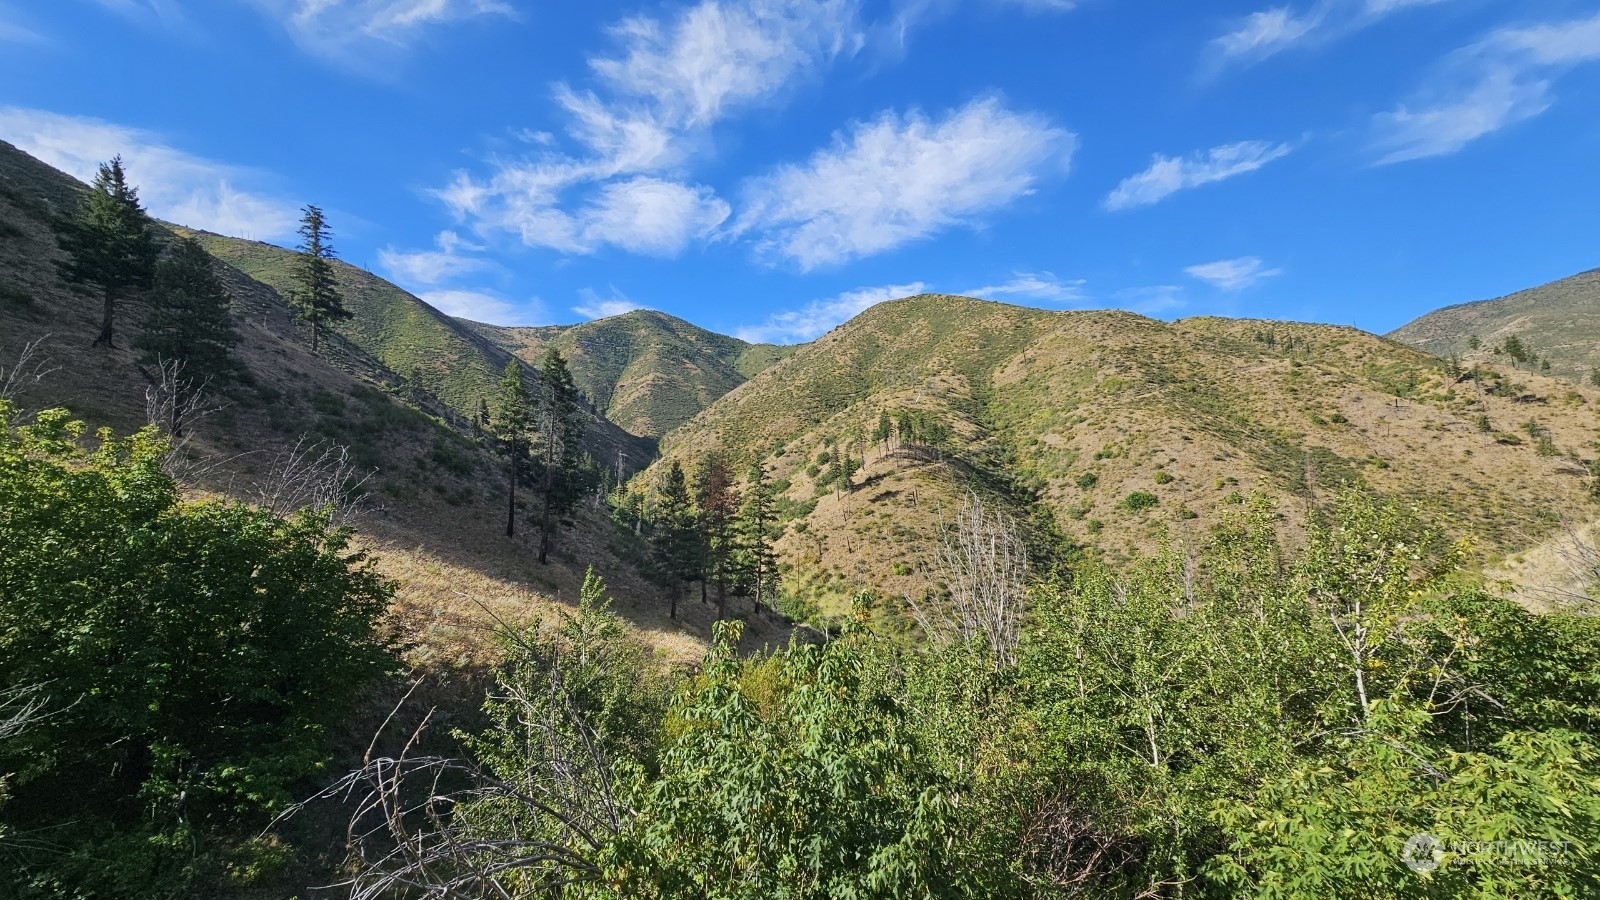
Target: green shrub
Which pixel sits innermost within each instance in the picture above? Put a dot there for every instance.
(1139, 500)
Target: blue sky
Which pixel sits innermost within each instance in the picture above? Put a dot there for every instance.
(769, 167)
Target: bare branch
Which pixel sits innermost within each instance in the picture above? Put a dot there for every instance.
(20, 708)
(32, 366)
(983, 564)
(316, 475)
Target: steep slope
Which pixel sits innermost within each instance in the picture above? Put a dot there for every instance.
(1129, 430)
(648, 371)
(422, 345)
(436, 497)
(1559, 321)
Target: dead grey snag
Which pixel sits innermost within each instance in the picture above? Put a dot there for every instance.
(983, 564)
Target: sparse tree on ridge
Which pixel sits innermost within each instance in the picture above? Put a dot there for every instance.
(510, 424)
(110, 246)
(316, 298)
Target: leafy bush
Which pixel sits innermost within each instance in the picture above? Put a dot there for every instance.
(1139, 500)
(197, 656)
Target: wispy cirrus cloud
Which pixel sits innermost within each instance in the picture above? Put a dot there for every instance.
(1506, 78)
(177, 186)
(1169, 174)
(345, 30)
(598, 306)
(810, 321)
(428, 268)
(484, 306)
(901, 178)
(1232, 274)
(1269, 32)
(669, 80)
(1033, 286)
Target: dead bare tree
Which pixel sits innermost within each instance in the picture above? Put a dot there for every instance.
(429, 826)
(982, 562)
(32, 366)
(315, 475)
(173, 400)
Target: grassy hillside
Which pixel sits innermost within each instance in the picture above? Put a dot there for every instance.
(422, 345)
(1131, 431)
(437, 497)
(1559, 321)
(648, 371)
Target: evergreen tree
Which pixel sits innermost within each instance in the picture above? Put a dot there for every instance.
(757, 564)
(317, 298)
(674, 542)
(510, 425)
(188, 322)
(718, 503)
(109, 245)
(884, 429)
(564, 478)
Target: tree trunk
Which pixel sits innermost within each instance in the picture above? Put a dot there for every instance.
(511, 509)
(672, 608)
(545, 524)
(107, 334)
(722, 599)
(313, 335)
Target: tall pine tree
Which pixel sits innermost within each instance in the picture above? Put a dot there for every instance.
(560, 433)
(188, 325)
(316, 297)
(675, 541)
(718, 503)
(510, 424)
(757, 564)
(110, 246)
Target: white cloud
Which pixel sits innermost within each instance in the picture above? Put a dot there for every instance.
(651, 216)
(337, 28)
(174, 185)
(595, 306)
(667, 83)
(432, 267)
(1262, 34)
(480, 306)
(1503, 97)
(898, 179)
(1499, 81)
(1167, 174)
(1232, 274)
(1034, 286)
(1268, 32)
(804, 324)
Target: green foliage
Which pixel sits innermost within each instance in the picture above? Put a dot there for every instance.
(674, 539)
(187, 318)
(1088, 480)
(110, 245)
(1139, 500)
(316, 297)
(198, 656)
(790, 779)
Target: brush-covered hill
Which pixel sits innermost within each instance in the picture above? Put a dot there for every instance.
(426, 347)
(436, 497)
(648, 371)
(1129, 430)
(1559, 321)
